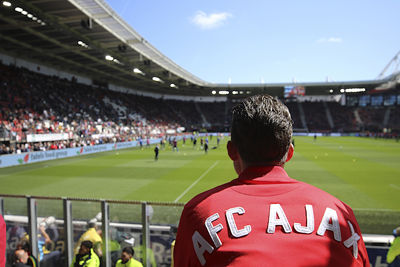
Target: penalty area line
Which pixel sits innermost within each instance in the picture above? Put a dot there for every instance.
(195, 182)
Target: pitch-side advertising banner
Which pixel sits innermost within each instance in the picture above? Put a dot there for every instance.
(33, 157)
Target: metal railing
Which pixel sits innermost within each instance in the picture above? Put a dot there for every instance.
(146, 226)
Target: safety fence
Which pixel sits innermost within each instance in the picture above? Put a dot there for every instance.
(148, 227)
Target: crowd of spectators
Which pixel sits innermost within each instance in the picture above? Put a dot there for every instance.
(372, 118)
(214, 112)
(343, 117)
(33, 103)
(394, 119)
(295, 113)
(316, 116)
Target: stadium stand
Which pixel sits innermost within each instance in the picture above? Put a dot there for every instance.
(33, 103)
(315, 114)
(343, 117)
(294, 111)
(37, 104)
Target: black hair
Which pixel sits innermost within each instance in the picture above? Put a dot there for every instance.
(261, 130)
(128, 250)
(87, 244)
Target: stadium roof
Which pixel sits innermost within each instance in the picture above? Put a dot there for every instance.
(88, 38)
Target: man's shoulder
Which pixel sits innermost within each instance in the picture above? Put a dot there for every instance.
(208, 195)
(316, 192)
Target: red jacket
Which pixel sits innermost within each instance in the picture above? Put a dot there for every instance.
(265, 218)
(2, 242)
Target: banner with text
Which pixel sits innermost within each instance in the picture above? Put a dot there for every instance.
(33, 157)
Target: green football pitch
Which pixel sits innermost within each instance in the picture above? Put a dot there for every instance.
(362, 172)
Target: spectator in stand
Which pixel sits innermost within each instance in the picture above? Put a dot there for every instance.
(21, 259)
(46, 257)
(24, 256)
(394, 250)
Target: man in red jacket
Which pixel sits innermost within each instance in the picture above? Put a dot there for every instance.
(2, 242)
(264, 217)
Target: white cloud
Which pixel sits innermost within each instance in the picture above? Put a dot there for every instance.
(210, 21)
(330, 40)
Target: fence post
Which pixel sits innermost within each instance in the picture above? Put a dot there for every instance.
(68, 232)
(32, 226)
(145, 234)
(105, 223)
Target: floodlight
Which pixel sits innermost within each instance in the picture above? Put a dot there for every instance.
(138, 71)
(109, 58)
(156, 79)
(6, 3)
(18, 9)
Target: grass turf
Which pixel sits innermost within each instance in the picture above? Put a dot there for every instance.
(364, 173)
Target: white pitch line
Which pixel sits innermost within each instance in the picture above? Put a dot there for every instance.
(195, 182)
(395, 186)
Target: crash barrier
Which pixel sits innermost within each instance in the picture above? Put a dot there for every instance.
(148, 227)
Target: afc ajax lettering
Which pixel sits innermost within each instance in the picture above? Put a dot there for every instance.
(277, 217)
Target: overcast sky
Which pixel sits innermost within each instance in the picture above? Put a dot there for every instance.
(258, 41)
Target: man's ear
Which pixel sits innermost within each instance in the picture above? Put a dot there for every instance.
(232, 151)
(290, 153)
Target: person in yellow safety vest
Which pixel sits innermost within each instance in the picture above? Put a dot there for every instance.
(394, 249)
(127, 259)
(86, 257)
(93, 235)
(150, 255)
(173, 229)
(172, 253)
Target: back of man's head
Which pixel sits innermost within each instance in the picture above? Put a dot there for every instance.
(21, 255)
(261, 130)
